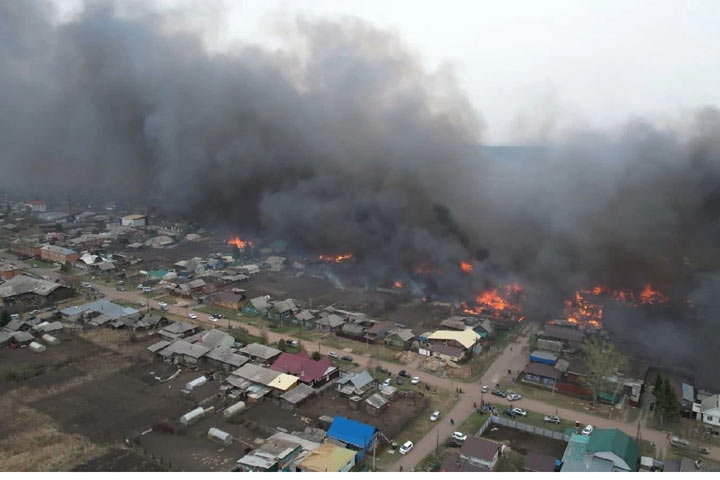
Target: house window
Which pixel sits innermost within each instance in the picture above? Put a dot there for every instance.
(710, 419)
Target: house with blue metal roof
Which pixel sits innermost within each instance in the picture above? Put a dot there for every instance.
(352, 434)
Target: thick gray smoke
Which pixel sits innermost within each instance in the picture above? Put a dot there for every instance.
(342, 142)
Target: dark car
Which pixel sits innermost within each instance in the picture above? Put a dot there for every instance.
(403, 373)
(399, 380)
(347, 358)
(509, 413)
(383, 369)
(453, 444)
(498, 393)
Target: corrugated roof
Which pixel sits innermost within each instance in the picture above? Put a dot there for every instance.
(352, 432)
(327, 458)
(615, 441)
(466, 338)
(22, 284)
(283, 382)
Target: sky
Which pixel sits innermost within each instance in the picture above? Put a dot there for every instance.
(533, 69)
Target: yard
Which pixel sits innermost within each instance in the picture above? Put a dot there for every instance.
(443, 400)
(563, 401)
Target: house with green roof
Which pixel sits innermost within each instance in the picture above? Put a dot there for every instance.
(605, 450)
(616, 446)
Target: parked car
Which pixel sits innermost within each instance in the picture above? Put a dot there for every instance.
(346, 358)
(588, 430)
(163, 304)
(120, 289)
(120, 282)
(451, 443)
(406, 447)
(415, 380)
(193, 316)
(512, 396)
(383, 369)
(51, 308)
(399, 380)
(332, 355)
(435, 415)
(292, 343)
(34, 312)
(213, 318)
(387, 382)
(519, 411)
(552, 419)
(403, 373)
(509, 413)
(85, 284)
(459, 436)
(485, 388)
(498, 393)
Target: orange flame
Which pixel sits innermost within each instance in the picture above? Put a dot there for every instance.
(239, 243)
(466, 267)
(426, 268)
(651, 297)
(335, 258)
(496, 301)
(398, 284)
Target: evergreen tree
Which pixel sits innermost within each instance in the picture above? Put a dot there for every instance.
(4, 318)
(235, 252)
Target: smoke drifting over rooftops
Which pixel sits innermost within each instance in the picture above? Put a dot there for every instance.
(342, 142)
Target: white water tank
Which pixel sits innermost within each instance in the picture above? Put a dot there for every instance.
(49, 339)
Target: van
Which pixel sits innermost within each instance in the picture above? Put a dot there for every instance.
(147, 289)
(679, 442)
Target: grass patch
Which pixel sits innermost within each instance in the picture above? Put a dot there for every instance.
(18, 373)
(537, 419)
(560, 400)
(381, 352)
(43, 264)
(443, 400)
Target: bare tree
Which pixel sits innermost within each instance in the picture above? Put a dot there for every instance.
(605, 363)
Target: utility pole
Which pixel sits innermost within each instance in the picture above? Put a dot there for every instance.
(437, 445)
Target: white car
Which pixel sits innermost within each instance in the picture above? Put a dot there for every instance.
(332, 354)
(163, 304)
(85, 285)
(459, 436)
(485, 388)
(415, 380)
(519, 411)
(387, 382)
(588, 430)
(193, 316)
(435, 415)
(513, 396)
(406, 447)
(212, 318)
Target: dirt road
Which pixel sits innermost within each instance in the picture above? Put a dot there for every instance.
(513, 357)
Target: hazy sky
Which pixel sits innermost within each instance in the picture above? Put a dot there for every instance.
(532, 68)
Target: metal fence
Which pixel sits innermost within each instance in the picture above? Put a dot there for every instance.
(505, 422)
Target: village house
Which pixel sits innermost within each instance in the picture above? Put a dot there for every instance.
(480, 452)
(329, 323)
(135, 220)
(283, 310)
(36, 205)
(378, 331)
(541, 374)
(376, 403)
(306, 318)
(275, 455)
(224, 358)
(353, 435)
(258, 306)
(453, 345)
(260, 352)
(355, 384)
(178, 330)
(310, 372)
(569, 337)
(710, 410)
(329, 458)
(297, 396)
(183, 352)
(8, 271)
(228, 299)
(401, 338)
(25, 293)
(52, 253)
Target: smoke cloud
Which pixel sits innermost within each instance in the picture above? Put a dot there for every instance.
(341, 141)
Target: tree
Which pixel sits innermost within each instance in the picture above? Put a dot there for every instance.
(316, 356)
(510, 462)
(235, 252)
(4, 318)
(282, 345)
(605, 362)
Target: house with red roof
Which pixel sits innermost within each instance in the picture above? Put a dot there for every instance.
(310, 372)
